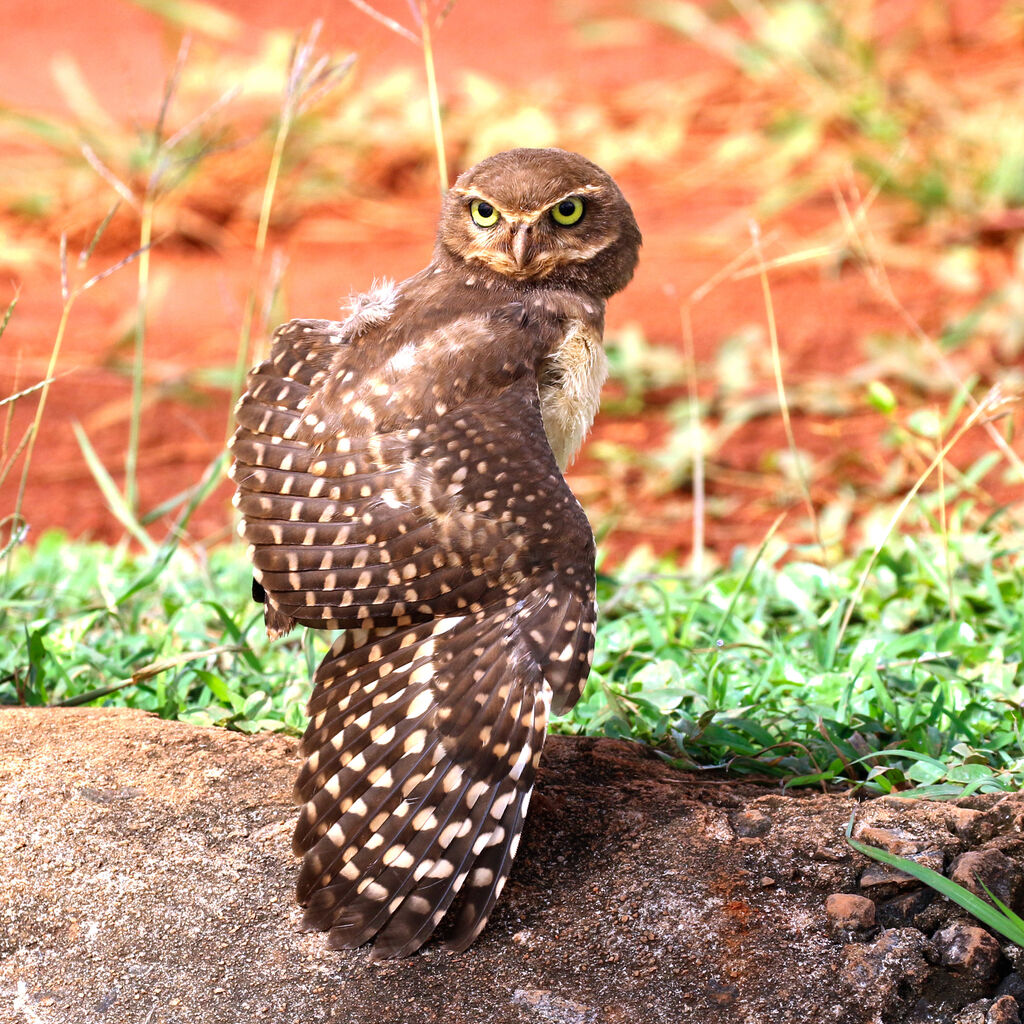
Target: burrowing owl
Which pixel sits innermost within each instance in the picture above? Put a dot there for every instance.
(399, 478)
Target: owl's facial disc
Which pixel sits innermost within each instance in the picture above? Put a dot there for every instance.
(540, 216)
(526, 244)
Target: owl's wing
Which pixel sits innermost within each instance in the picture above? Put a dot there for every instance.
(462, 568)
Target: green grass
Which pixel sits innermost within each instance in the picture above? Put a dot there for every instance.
(86, 623)
(748, 672)
(745, 671)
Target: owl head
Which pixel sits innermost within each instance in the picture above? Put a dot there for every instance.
(541, 217)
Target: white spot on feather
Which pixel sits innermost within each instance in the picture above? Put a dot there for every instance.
(404, 359)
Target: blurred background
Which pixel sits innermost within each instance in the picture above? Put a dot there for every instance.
(831, 197)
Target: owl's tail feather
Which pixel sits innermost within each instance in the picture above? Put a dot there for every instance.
(489, 874)
(421, 760)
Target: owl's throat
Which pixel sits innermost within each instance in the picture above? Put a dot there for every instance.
(570, 389)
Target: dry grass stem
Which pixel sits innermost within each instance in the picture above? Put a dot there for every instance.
(395, 26)
(697, 438)
(25, 392)
(421, 15)
(994, 403)
(433, 99)
(305, 77)
(780, 388)
(123, 191)
(863, 236)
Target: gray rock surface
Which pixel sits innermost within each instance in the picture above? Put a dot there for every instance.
(147, 879)
(967, 949)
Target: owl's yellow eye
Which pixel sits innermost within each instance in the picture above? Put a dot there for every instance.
(568, 211)
(483, 213)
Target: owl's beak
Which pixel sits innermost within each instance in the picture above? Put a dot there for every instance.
(520, 241)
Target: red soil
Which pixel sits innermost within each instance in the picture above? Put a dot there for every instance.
(823, 313)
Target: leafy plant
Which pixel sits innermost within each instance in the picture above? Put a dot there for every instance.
(83, 623)
(751, 671)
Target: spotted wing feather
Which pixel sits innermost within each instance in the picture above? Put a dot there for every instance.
(441, 536)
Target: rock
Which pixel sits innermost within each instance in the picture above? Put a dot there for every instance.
(888, 975)
(881, 880)
(848, 914)
(832, 877)
(146, 875)
(750, 823)
(989, 1011)
(973, 1013)
(827, 854)
(922, 909)
(173, 901)
(961, 820)
(545, 1006)
(904, 911)
(1005, 817)
(940, 913)
(723, 995)
(1012, 985)
(968, 950)
(1015, 954)
(892, 840)
(990, 868)
(1004, 1010)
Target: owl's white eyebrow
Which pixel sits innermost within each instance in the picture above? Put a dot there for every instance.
(526, 216)
(515, 216)
(582, 191)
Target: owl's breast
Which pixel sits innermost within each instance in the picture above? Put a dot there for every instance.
(570, 389)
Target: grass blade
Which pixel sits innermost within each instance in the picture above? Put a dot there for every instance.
(155, 668)
(113, 497)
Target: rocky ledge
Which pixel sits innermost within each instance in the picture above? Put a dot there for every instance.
(147, 877)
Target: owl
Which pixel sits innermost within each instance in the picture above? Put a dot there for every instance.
(399, 477)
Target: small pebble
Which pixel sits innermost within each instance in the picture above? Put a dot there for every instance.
(849, 913)
(891, 839)
(750, 824)
(991, 868)
(968, 950)
(884, 878)
(1004, 1010)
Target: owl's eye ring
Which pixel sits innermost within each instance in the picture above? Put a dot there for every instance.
(568, 211)
(484, 215)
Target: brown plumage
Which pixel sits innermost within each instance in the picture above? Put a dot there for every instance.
(399, 478)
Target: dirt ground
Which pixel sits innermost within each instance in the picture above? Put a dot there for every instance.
(150, 879)
(826, 310)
